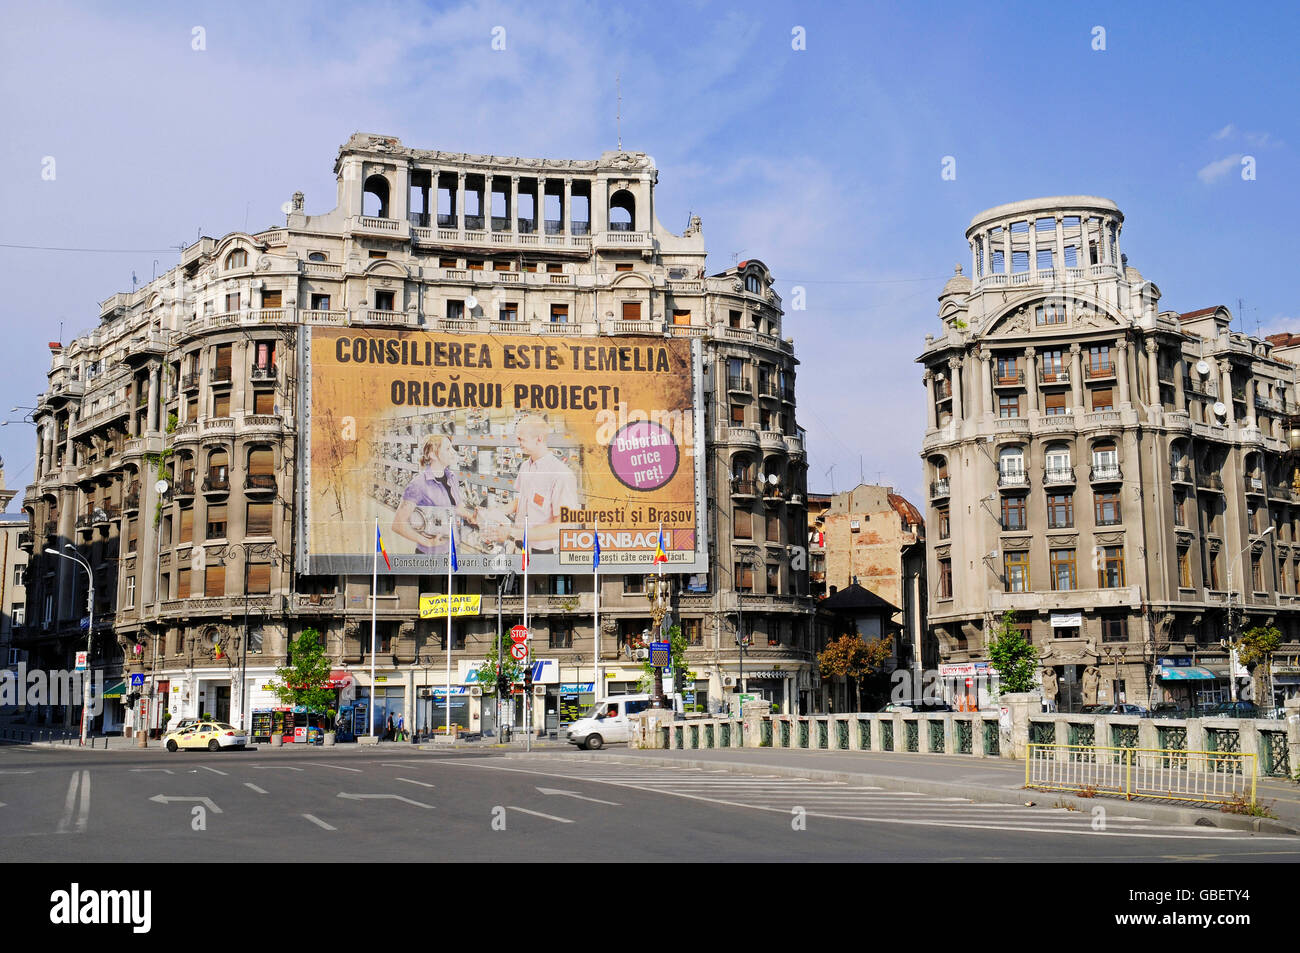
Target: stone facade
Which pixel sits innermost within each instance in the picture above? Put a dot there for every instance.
(1118, 475)
(192, 380)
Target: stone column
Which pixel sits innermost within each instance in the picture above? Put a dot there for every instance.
(1122, 372)
(1006, 248)
(1033, 248)
(1076, 378)
(1180, 395)
(513, 211)
(954, 366)
(1060, 241)
(1031, 379)
(460, 202)
(984, 382)
(1251, 420)
(1153, 373)
(155, 399)
(931, 413)
(1225, 389)
(567, 210)
(974, 260)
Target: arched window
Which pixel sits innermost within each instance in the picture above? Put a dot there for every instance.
(237, 259)
(318, 256)
(1011, 460)
(374, 201)
(261, 468)
(218, 470)
(1056, 465)
(752, 283)
(622, 212)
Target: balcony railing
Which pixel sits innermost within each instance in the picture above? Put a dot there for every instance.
(1054, 377)
(185, 486)
(216, 482)
(1056, 476)
(259, 481)
(1105, 472)
(1010, 378)
(1013, 478)
(1254, 484)
(1094, 372)
(940, 488)
(738, 384)
(1179, 473)
(742, 487)
(1209, 481)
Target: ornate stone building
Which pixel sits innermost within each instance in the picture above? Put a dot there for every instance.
(168, 439)
(1118, 475)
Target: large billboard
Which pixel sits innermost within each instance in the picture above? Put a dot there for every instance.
(504, 436)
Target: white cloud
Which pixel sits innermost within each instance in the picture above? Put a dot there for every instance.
(1225, 132)
(1218, 168)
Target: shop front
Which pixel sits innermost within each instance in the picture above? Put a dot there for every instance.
(1187, 685)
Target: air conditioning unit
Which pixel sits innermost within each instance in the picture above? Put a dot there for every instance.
(729, 681)
(641, 655)
(539, 691)
(475, 692)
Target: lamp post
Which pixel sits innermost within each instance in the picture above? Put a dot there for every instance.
(1230, 642)
(1115, 653)
(658, 590)
(90, 629)
(507, 581)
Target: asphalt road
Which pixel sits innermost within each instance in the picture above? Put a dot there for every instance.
(368, 805)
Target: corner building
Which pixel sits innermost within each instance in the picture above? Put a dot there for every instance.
(1119, 476)
(169, 444)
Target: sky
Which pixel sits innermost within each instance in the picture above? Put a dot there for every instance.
(814, 137)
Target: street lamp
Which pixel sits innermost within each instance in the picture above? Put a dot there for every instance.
(1115, 653)
(1229, 643)
(658, 591)
(90, 628)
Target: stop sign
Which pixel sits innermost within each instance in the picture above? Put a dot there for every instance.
(519, 633)
(969, 682)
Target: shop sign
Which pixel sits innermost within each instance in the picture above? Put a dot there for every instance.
(1067, 620)
(435, 607)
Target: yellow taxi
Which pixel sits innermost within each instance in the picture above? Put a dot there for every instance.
(213, 735)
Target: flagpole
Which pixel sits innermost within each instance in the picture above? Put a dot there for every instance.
(374, 586)
(595, 578)
(528, 641)
(451, 548)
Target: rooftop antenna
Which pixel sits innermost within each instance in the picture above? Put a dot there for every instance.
(830, 473)
(618, 116)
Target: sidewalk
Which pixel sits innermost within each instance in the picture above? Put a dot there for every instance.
(993, 780)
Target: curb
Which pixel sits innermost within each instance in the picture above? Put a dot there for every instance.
(1191, 817)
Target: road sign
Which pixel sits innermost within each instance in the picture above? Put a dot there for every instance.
(661, 654)
(137, 679)
(82, 661)
(519, 651)
(519, 633)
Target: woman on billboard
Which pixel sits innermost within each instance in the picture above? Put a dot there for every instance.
(422, 515)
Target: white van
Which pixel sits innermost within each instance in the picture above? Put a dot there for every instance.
(607, 720)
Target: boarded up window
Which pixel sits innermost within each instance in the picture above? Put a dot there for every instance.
(264, 402)
(631, 310)
(214, 581)
(187, 525)
(259, 578)
(259, 519)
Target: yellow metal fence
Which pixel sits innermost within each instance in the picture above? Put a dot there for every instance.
(1168, 774)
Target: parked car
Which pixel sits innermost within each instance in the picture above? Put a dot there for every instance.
(1237, 709)
(1122, 709)
(1169, 710)
(917, 705)
(213, 735)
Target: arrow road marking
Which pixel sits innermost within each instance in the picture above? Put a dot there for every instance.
(273, 767)
(166, 799)
(580, 797)
(79, 780)
(204, 767)
(423, 784)
(336, 767)
(393, 797)
(254, 787)
(549, 817)
(163, 770)
(318, 822)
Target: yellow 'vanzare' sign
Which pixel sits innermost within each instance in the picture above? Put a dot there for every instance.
(435, 607)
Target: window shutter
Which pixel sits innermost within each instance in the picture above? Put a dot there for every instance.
(631, 310)
(184, 578)
(261, 462)
(259, 519)
(214, 581)
(187, 525)
(259, 578)
(264, 402)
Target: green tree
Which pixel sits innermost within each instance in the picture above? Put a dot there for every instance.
(678, 658)
(1255, 650)
(850, 657)
(487, 672)
(305, 680)
(1012, 657)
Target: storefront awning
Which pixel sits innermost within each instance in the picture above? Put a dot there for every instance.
(1170, 673)
(115, 691)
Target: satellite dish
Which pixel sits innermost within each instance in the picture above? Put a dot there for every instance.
(1219, 408)
(1202, 368)
(286, 208)
(471, 303)
(162, 486)
(773, 479)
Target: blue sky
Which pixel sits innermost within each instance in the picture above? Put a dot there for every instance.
(823, 162)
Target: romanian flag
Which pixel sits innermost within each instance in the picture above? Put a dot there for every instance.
(525, 567)
(661, 556)
(379, 547)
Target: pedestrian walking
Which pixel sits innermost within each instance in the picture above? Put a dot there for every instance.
(388, 730)
(401, 728)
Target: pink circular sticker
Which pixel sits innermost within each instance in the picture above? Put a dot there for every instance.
(643, 455)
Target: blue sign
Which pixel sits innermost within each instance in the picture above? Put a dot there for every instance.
(661, 654)
(137, 679)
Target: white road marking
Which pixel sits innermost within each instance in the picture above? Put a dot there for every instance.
(275, 767)
(423, 784)
(549, 817)
(14, 771)
(254, 787)
(169, 798)
(337, 767)
(163, 770)
(401, 764)
(390, 797)
(80, 782)
(204, 767)
(319, 823)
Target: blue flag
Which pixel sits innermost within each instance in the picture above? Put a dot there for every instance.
(451, 535)
(595, 553)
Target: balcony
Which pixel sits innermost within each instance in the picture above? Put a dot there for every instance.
(743, 487)
(217, 482)
(940, 489)
(771, 440)
(1058, 476)
(104, 514)
(742, 435)
(189, 382)
(262, 374)
(1254, 484)
(131, 501)
(1210, 481)
(260, 481)
(943, 391)
(1013, 478)
(185, 485)
(1099, 372)
(1053, 377)
(773, 492)
(1105, 473)
(1009, 379)
(26, 540)
(737, 384)
(1179, 473)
